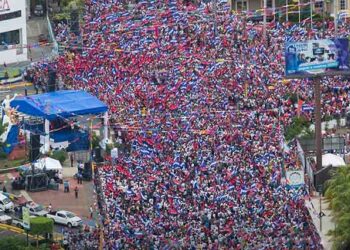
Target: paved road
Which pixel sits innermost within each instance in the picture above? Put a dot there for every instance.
(18, 88)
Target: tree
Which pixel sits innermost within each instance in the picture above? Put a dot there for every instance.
(41, 226)
(338, 193)
(12, 243)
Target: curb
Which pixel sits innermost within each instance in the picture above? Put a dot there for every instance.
(18, 230)
(7, 170)
(16, 85)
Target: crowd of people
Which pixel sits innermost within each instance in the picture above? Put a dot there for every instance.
(88, 239)
(201, 98)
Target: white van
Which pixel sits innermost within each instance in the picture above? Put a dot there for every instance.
(5, 203)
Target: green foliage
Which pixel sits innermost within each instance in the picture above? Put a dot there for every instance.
(109, 148)
(12, 243)
(338, 194)
(293, 97)
(11, 73)
(60, 155)
(41, 226)
(95, 140)
(307, 133)
(296, 127)
(3, 155)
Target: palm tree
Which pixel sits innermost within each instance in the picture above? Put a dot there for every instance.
(338, 194)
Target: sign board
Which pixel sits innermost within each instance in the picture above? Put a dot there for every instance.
(295, 178)
(4, 5)
(317, 57)
(26, 217)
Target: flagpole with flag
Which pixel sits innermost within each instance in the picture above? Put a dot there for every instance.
(311, 14)
(299, 11)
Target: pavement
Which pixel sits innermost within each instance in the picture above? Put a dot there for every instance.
(67, 201)
(326, 223)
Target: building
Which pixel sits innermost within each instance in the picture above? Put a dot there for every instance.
(13, 31)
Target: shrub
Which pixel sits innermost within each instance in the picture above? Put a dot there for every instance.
(60, 155)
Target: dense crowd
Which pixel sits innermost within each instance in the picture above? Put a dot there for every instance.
(88, 239)
(202, 100)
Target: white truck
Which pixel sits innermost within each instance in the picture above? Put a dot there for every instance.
(5, 219)
(65, 218)
(5, 203)
(36, 209)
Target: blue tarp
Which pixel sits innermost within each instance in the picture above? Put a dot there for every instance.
(78, 140)
(64, 103)
(11, 140)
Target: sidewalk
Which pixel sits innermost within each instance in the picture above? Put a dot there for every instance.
(327, 223)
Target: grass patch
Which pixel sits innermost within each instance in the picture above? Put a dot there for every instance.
(12, 72)
(5, 164)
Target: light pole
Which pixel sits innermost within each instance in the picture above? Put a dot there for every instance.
(311, 13)
(264, 31)
(335, 8)
(318, 128)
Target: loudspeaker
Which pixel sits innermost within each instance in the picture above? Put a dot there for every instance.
(34, 150)
(87, 173)
(51, 85)
(98, 155)
(87, 167)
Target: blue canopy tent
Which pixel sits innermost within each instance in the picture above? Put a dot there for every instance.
(61, 105)
(64, 103)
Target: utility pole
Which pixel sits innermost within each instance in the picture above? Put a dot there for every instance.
(264, 31)
(287, 19)
(335, 9)
(311, 13)
(318, 132)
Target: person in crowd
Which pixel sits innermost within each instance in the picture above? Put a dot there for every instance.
(201, 101)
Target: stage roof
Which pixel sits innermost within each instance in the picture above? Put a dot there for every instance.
(64, 103)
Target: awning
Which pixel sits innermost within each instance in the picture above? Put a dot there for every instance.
(59, 104)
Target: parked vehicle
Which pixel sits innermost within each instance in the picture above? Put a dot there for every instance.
(4, 218)
(5, 203)
(39, 10)
(36, 209)
(18, 221)
(66, 218)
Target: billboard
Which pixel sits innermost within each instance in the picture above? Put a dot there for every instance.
(26, 218)
(295, 178)
(317, 57)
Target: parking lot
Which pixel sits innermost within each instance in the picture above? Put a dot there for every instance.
(58, 199)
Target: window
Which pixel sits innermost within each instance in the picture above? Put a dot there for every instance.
(9, 38)
(10, 15)
(342, 4)
(61, 215)
(239, 5)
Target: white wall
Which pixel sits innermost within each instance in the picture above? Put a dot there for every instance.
(10, 56)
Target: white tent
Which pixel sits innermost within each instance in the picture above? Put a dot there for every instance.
(332, 159)
(48, 163)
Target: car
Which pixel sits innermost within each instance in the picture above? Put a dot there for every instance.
(65, 217)
(36, 209)
(5, 203)
(4, 218)
(39, 10)
(18, 221)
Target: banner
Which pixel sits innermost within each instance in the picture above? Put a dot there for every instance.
(295, 178)
(26, 218)
(317, 57)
